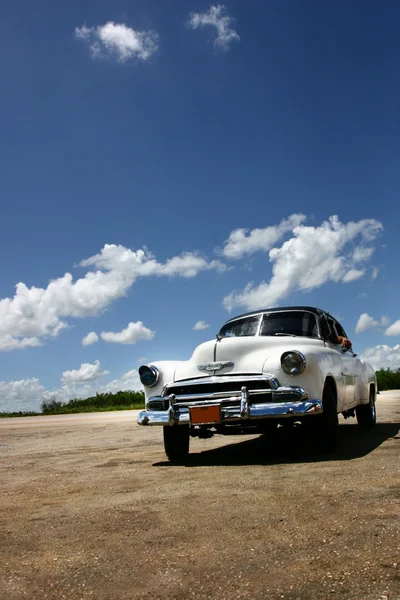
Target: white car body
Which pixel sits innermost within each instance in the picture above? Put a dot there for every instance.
(250, 358)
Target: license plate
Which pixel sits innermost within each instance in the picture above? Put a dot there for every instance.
(205, 414)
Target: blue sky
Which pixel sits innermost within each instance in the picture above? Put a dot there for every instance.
(167, 127)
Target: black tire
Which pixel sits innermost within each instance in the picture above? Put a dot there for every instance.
(366, 413)
(176, 442)
(327, 424)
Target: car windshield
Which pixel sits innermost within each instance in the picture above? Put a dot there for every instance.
(241, 327)
(289, 323)
(295, 322)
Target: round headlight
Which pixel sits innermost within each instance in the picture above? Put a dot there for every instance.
(293, 362)
(148, 375)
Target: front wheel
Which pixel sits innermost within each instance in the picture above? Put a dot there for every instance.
(326, 425)
(366, 413)
(176, 442)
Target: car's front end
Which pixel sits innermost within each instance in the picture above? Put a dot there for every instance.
(236, 380)
(227, 400)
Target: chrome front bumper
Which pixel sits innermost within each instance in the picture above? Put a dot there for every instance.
(235, 407)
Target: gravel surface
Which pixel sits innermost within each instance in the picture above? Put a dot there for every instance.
(90, 508)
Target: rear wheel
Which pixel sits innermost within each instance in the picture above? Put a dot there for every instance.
(176, 442)
(366, 413)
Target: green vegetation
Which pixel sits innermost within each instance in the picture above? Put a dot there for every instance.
(27, 413)
(388, 379)
(100, 402)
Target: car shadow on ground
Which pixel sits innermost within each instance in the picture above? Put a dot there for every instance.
(290, 446)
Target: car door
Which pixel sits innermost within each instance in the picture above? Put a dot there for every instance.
(349, 374)
(350, 367)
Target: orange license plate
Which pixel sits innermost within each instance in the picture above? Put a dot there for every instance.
(205, 414)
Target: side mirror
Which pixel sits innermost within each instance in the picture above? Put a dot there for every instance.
(344, 349)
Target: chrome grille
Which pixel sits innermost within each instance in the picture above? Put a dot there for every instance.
(229, 391)
(216, 386)
(224, 389)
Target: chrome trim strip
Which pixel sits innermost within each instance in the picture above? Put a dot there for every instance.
(232, 414)
(260, 322)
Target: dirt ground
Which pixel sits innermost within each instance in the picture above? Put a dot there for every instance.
(90, 508)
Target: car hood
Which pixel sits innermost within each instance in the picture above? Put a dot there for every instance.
(248, 355)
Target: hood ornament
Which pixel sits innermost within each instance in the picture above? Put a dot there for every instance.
(215, 366)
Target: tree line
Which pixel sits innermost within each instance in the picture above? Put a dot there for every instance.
(388, 379)
(108, 401)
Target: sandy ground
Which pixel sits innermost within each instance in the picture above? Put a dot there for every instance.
(90, 508)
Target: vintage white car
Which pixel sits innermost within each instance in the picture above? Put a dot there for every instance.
(270, 367)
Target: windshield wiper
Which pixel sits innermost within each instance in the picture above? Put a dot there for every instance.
(282, 333)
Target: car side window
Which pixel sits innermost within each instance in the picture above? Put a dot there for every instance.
(328, 329)
(340, 329)
(333, 333)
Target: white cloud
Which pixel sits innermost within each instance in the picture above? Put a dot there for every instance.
(383, 356)
(119, 40)
(375, 273)
(312, 257)
(362, 253)
(86, 389)
(8, 342)
(394, 329)
(352, 275)
(34, 313)
(200, 325)
(90, 338)
(86, 372)
(28, 394)
(130, 264)
(243, 242)
(365, 322)
(218, 17)
(130, 335)
(22, 395)
(133, 374)
(129, 381)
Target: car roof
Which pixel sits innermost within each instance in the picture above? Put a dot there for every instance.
(313, 309)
